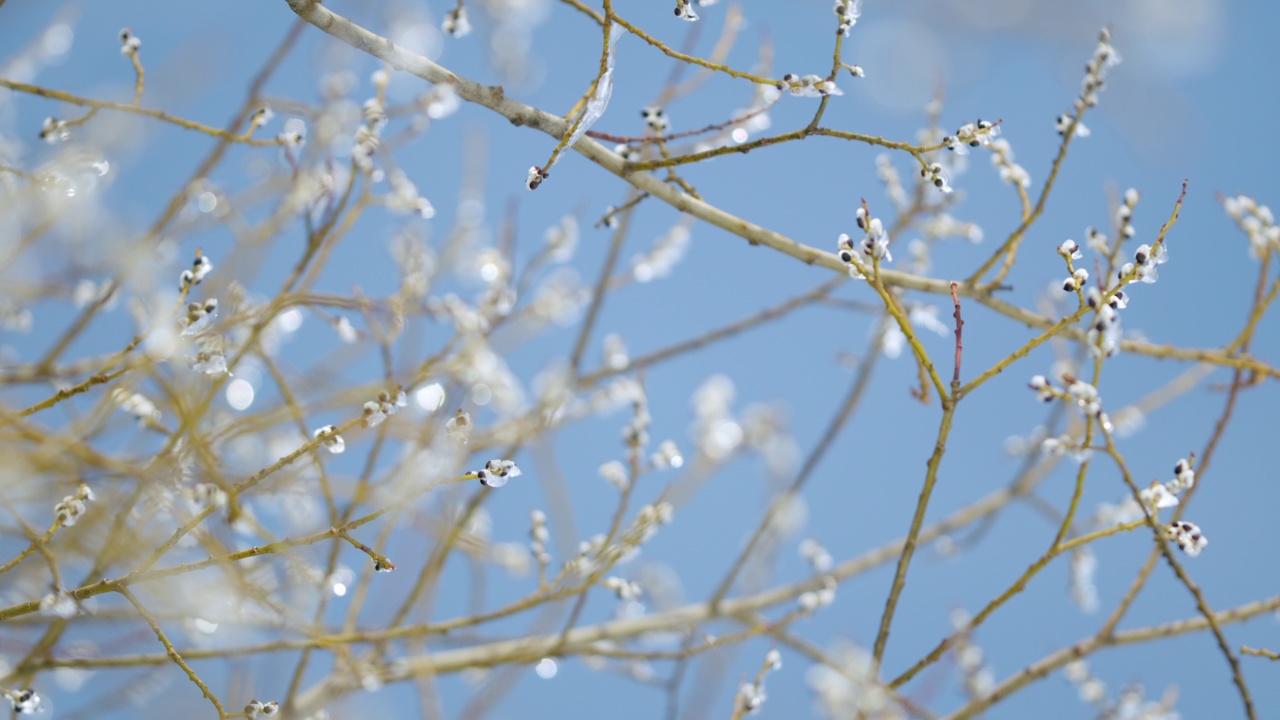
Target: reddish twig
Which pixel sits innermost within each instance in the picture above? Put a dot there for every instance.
(955, 376)
(609, 137)
(1177, 207)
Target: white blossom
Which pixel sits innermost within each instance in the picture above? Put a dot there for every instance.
(347, 332)
(1188, 537)
(389, 403)
(624, 589)
(808, 85)
(456, 23)
(206, 495)
(848, 12)
(535, 177)
(137, 405)
(668, 250)
(750, 697)
(459, 427)
(1084, 592)
(23, 702)
(615, 352)
(615, 473)
(373, 414)
(562, 239)
(1184, 477)
(1041, 385)
(294, 135)
(199, 316)
(813, 599)
(874, 246)
(656, 118)
(667, 456)
(256, 709)
(200, 269)
(1085, 395)
(129, 43)
(365, 144)
(71, 507)
(60, 604)
(330, 439)
(1156, 497)
(937, 175)
(496, 473)
(819, 559)
(1147, 258)
(773, 659)
(974, 134)
(1063, 123)
(54, 130)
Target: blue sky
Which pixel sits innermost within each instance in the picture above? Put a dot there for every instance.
(1190, 101)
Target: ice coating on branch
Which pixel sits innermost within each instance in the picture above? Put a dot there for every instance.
(604, 90)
